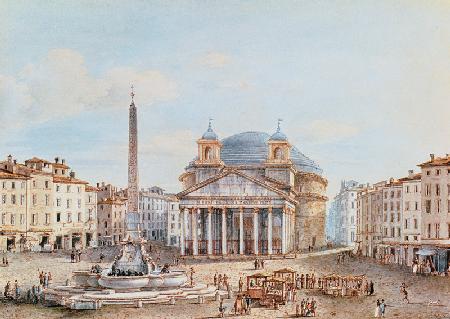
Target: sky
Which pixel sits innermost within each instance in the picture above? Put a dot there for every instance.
(363, 87)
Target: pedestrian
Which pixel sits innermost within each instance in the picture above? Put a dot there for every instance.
(221, 309)
(79, 255)
(377, 309)
(382, 308)
(302, 281)
(371, 288)
(16, 290)
(41, 277)
(215, 279)
(241, 284)
(46, 280)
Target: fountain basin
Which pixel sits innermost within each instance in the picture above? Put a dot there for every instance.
(123, 282)
(84, 278)
(175, 278)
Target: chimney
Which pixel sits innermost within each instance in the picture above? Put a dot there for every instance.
(63, 161)
(432, 157)
(56, 160)
(410, 173)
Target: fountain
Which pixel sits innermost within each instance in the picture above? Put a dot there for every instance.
(133, 277)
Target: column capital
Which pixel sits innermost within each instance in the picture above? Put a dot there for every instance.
(241, 209)
(270, 209)
(224, 210)
(256, 210)
(210, 209)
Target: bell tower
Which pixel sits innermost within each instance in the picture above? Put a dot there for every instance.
(279, 148)
(209, 148)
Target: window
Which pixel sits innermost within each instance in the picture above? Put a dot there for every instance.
(58, 202)
(437, 230)
(393, 232)
(22, 219)
(46, 184)
(392, 205)
(438, 189)
(399, 194)
(4, 185)
(429, 231)
(13, 185)
(34, 219)
(47, 219)
(13, 199)
(58, 217)
(428, 206)
(68, 188)
(398, 206)
(392, 194)
(406, 224)
(57, 188)
(79, 217)
(3, 199)
(415, 223)
(69, 217)
(22, 185)
(79, 203)
(416, 189)
(428, 189)
(417, 206)
(406, 238)
(428, 173)
(79, 189)
(34, 184)
(22, 199)
(407, 189)
(385, 206)
(415, 238)
(438, 172)
(46, 200)
(68, 203)
(13, 219)
(34, 199)
(438, 205)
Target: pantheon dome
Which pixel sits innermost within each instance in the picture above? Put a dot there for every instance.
(251, 193)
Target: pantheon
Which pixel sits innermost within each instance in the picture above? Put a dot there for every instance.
(251, 194)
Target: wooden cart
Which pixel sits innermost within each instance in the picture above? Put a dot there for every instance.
(286, 274)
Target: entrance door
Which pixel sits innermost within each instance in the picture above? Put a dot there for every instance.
(10, 243)
(44, 241)
(88, 239)
(248, 236)
(76, 241)
(58, 242)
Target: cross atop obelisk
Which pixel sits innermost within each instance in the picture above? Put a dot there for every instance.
(133, 218)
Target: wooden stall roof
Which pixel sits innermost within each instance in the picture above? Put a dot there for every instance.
(284, 270)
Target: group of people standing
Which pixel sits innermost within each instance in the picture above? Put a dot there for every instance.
(45, 278)
(306, 308)
(75, 256)
(221, 281)
(5, 261)
(259, 264)
(12, 291)
(380, 309)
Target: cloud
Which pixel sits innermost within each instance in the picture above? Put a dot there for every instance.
(60, 85)
(326, 131)
(215, 60)
(180, 144)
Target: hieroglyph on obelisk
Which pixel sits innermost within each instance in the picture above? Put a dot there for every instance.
(133, 188)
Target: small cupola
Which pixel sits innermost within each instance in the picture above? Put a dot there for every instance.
(209, 134)
(209, 148)
(279, 147)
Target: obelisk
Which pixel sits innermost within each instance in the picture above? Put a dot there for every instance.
(133, 219)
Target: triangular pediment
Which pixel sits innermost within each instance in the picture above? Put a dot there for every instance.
(233, 183)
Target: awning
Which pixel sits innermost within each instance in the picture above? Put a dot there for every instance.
(426, 252)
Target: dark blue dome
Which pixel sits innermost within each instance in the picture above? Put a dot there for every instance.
(251, 148)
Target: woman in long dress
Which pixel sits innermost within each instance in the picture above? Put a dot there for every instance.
(377, 309)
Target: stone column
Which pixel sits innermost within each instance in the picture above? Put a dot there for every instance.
(183, 232)
(269, 231)
(255, 230)
(224, 231)
(210, 243)
(194, 223)
(241, 230)
(283, 231)
(186, 225)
